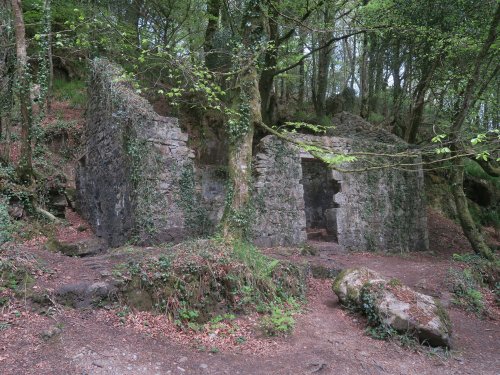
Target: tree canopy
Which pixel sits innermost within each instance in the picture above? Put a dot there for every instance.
(426, 71)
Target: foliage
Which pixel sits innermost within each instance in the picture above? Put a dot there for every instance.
(72, 91)
(194, 281)
(279, 322)
(5, 224)
(472, 168)
(466, 289)
(485, 272)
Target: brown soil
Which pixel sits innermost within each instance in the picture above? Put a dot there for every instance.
(327, 339)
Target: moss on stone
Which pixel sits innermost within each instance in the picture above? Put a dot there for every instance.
(441, 312)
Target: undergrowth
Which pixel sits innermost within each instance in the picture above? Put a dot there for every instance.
(197, 281)
(72, 91)
(474, 169)
(466, 290)
(17, 270)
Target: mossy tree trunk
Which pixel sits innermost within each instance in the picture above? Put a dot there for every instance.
(462, 107)
(25, 168)
(7, 72)
(469, 227)
(246, 104)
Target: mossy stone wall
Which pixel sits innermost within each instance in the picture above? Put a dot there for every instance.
(128, 179)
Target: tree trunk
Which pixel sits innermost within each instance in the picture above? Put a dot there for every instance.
(397, 91)
(213, 12)
(324, 57)
(5, 150)
(302, 73)
(7, 72)
(364, 111)
(247, 101)
(417, 111)
(462, 106)
(25, 168)
(469, 227)
(50, 79)
(266, 81)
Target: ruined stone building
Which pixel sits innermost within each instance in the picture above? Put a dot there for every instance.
(139, 180)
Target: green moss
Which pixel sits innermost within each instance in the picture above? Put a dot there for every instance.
(395, 282)
(54, 246)
(338, 280)
(208, 276)
(441, 312)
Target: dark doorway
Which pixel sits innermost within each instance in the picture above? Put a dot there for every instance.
(319, 192)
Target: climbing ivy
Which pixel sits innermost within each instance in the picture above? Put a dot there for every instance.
(239, 121)
(195, 215)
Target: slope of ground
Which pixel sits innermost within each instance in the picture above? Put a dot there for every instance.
(327, 339)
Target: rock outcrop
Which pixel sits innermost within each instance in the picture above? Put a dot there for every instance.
(393, 305)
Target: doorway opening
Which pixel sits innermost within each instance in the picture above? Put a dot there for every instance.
(319, 196)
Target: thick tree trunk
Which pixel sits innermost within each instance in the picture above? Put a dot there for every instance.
(463, 106)
(213, 12)
(247, 101)
(236, 214)
(25, 168)
(469, 227)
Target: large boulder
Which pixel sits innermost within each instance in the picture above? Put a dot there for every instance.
(389, 303)
(82, 248)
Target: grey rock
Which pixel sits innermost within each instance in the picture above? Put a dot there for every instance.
(397, 306)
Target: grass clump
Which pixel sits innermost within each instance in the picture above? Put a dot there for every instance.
(198, 281)
(17, 270)
(466, 290)
(279, 321)
(72, 91)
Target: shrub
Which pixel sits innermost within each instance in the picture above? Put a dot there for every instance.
(197, 280)
(5, 224)
(279, 322)
(465, 288)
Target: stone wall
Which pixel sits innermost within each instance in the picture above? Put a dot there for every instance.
(278, 195)
(137, 180)
(381, 209)
(135, 165)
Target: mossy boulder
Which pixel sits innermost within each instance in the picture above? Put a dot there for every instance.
(394, 305)
(348, 284)
(82, 248)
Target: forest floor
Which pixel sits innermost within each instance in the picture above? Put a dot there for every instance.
(327, 339)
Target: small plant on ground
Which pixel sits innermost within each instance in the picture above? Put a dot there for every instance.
(483, 270)
(466, 290)
(5, 224)
(376, 327)
(279, 322)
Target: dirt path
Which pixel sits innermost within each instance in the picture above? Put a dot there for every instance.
(327, 340)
